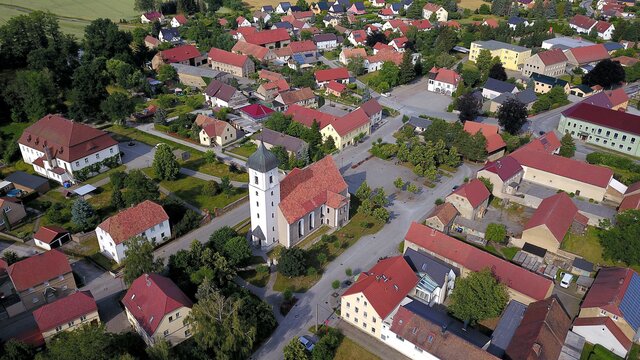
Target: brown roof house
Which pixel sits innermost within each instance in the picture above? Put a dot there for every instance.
(541, 333)
(219, 94)
(157, 308)
(303, 97)
(11, 213)
(66, 314)
(504, 174)
(442, 217)
(217, 132)
(470, 199)
(550, 63)
(42, 278)
(146, 219)
(553, 219)
(235, 64)
(58, 147)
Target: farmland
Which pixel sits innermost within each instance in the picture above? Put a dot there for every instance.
(73, 15)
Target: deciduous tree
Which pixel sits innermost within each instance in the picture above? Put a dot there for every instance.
(621, 242)
(294, 350)
(512, 115)
(292, 262)
(568, 146)
(469, 107)
(496, 232)
(117, 107)
(31, 95)
(165, 164)
(497, 72)
(606, 73)
(478, 296)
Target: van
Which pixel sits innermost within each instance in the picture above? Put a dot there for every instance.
(566, 280)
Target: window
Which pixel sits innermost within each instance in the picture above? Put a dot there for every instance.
(71, 323)
(177, 315)
(86, 160)
(256, 193)
(83, 318)
(257, 204)
(364, 325)
(399, 338)
(373, 331)
(608, 133)
(77, 163)
(97, 156)
(58, 328)
(374, 319)
(166, 333)
(603, 312)
(365, 314)
(624, 137)
(187, 333)
(347, 315)
(348, 305)
(357, 309)
(365, 303)
(270, 179)
(615, 317)
(111, 150)
(418, 349)
(170, 318)
(255, 180)
(633, 140)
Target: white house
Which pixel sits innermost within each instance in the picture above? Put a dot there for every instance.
(582, 24)
(443, 81)
(283, 7)
(169, 35)
(605, 30)
(326, 41)
(429, 9)
(219, 94)
(57, 147)
(178, 21)
(151, 16)
(243, 22)
(437, 278)
(146, 219)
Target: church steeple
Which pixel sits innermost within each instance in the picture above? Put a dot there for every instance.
(262, 160)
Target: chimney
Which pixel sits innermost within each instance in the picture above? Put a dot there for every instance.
(147, 280)
(621, 281)
(537, 348)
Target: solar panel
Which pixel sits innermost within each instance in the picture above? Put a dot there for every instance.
(630, 304)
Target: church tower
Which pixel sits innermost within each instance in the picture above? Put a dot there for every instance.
(264, 196)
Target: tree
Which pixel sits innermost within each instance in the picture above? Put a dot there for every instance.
(483, 62)
(302, 4)
(292, 262)
(88, 89)
(225, 185)
(142, 188)
(17, 350)
(102, 38)
(606, 73)
(398, 183)
(10, 257)
(165, 164)
(363, 192)
(167, 72)
(390, 73)
(31, 95)
(512, 115)
(237, 250)
(117, 107)
(497, 72)
(478, 296)
(139, 259)
(469, 107)
(161, 350)
(92, 342)
(356, 66)
(117, 201)
(568, 146)
(381, 214)
(294, 350)
(407, 70)
(217, 325)
(495, 232)
(144, 5)
(621, 242)
(82, 215)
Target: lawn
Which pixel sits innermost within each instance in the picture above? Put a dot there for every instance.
(348, 350)
(255, 278)
(245, 150)
(588, 246)
(472, 4)
(190, 189)
(509, 252)
(17, 166)
(366, 77)
(597, 352)
(298, 284)
(125, 133)
(216, 169)
(105, 174)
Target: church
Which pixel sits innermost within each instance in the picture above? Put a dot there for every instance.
(287, 210)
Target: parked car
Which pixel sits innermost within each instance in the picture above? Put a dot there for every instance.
(307, 342)
(566, 280)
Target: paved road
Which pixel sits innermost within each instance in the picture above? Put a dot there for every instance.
(586, 5)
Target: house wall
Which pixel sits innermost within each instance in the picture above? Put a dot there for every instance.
(35, 297)
(613, 139)
(242, 71)
(347, 139)
(542, 237)
(534, 64)
(357, 311)
(510, 59)
(205, 139)
(150, 341)
(464, 206)
(441, 14)
(562, 183)
(327, 45)
(15, 213)
(441, 87)
(173, 327)
(158, 233)
(434, 222)
(405, 347)
(500, 187)
(89, 318)
(619, 321)
(600, 334)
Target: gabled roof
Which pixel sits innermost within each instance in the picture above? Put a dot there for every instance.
(202, 120)
(291, 97)
(267, 36)
(37, 269)
(257, 111)
(49, 233)
(591, 53)
(616, 290)
(444, 212)
(371, 107)
(64, 310)
(551, 57)
(65, 139)
(491, 22)
(151, 297)
(133, 221)
(425, 264)
(490, 132)
(227, 57)
(325, 37)
(543, 329)
(565, 167)
(216, 128)
(609, 324)
(547, 142)
(630, 202)
(385, 284)
(170, 34)
(336, 86)
(515, 20)
(548, 80)
(350, 122)
(220, 90)
(556, 213)
(582, 21)
(304, 190)
(474, 259)
(612, 119)
(180, 53)
(153, 15)
(242, 47)
(444, 75)
(181, 19)
(331, 74)
(386, 54)
(275, 138)
(431, 7)
(474, 191)
(355, 52)
(303, 46)
(505, 167)
(499, 86)
(602, 26)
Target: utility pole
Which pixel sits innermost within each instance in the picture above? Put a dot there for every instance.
(317, 318)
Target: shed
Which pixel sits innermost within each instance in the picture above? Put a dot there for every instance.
(5, 185)
(84, 190)
(181, 154)
(581, 267)
(535, 250)
(29, 183)
(51, 237)
(584, 283)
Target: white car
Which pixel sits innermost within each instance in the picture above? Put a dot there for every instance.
(566, 280)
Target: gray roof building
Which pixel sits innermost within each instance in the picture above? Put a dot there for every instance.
(425, 264)
(290, 143)
(496, 45)
(262, 160)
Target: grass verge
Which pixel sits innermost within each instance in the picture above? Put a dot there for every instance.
(349, 350)
(245, 149)
(255, 278)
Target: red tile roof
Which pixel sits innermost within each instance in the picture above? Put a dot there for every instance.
(492, 23)
(626, 60)
(474, 259)
(355, 52)
(267, 37)
(151, 40)
(303, 46)
(544, 323)
(444, 212)
(335, 200)
(153, 15)
(227, 57)
(331, 74)
(551, 57)
(292, 97)
(608, 289)
(505, 167)
(617, 96)
(37, 269)
(474, 191)
(269, 75)
(67, 140)
(400, 42)
(561, 166)
(630, 202)
(446, 76)
(304, 190)
(548, 143)
(245, 48)
(202, 120)
(180, 53)
(490, 132)
(280, 85)
(385, 55)
(556, 213)
(609, 324)
(64, 310)
(350, 122)
(151, 297)
(422, 24)
(245, 31)
(133, 221)
(257, 111)
(613, 119)
(360, 36)
(602, 26)
(216, 128)
(181, 19)
(582, 21)
(49, 233)
(336, 86)
(591, 53)
(371, 107)
(432, 7)
(385, 284)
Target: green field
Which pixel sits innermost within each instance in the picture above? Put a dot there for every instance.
(73, 15)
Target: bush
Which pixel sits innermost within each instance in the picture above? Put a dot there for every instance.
(439, 201)
(288, 294)
(335, 284)
(262, 269)
(348, 271)
(292, 262)
(312, 271)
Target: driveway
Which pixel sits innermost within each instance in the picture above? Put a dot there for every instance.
(138, 156)
(373, 345)
(16, 247)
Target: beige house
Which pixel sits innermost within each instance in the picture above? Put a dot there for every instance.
(10, 211)
(470, 199)
(42, 278)
(429, 9)
(442, 217)
(157, 309)
(66, 314)
(550, 63)
(511, 56)
(543, 83)
(235, 64)
(376, 294)
(217, 132)
(504, 174)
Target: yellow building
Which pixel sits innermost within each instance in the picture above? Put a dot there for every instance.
(377, 293)
(512, 57)
(66, 314)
